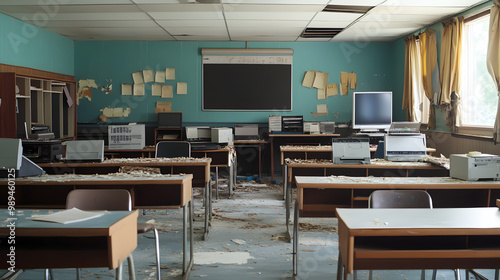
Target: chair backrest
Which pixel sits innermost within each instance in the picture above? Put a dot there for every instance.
(379, 152)
(400, 199)
(99, 199)
(171, 149)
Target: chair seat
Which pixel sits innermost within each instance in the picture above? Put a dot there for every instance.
(144, 227)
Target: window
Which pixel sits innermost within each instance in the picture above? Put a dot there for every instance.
(478, 93)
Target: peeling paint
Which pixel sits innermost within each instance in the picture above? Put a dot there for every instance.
(115, 112)
(85, 90)
(108, 87)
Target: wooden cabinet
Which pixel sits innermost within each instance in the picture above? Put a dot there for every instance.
(169, 134)
(30, 101)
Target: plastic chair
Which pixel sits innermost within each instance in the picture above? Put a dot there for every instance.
(112, 200)
(171, 149)
(402, 199)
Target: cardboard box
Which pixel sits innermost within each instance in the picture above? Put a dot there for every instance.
(127, 137)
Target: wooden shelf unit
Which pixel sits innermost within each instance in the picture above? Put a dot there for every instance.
(38, 101)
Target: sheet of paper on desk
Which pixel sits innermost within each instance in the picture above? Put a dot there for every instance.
(68, 216)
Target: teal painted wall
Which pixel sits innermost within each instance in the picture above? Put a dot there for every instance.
(26, 45)
(116, 61)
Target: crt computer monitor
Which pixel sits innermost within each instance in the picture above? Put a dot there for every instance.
(372, 111)
(170, 120)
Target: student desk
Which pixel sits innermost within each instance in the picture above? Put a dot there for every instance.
(199, 167)
(357, 197)
(104, 241)
(446, 238)
(322, 196)
(259, 144)
(317, 139)
(223, 157)
(151, 192)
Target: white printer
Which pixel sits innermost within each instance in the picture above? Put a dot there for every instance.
(404, 147)
(351, 150)
(475, 167)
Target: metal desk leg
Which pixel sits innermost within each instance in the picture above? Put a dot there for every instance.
(217, 183)
(230, 183)
(295, 239)
(287, 215)
(340, 267)
(210, 199)
(206, 192)
(285, 180)
(188, 218)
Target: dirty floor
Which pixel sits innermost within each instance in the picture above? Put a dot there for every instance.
(247, 241)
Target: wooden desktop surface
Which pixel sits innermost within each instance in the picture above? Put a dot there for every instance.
(104, 241)
(148, 192)
(447, 238)
(320, 196)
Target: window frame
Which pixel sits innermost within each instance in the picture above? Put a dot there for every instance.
(480, 130)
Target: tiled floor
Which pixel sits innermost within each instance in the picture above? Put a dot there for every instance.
(247, 241)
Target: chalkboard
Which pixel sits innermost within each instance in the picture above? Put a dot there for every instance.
(247, 87)
(247, 79)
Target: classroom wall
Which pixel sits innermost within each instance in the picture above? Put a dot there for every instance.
(23, 44)
(113, 62)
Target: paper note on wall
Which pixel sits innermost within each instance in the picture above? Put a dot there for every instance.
(170, 73)
(332, 89)
(308, 79)
(148, 75)
(139, 89)
(167, 91)
(320, 80)
(181, 88)
(321, 110)
(126, 89)
(160, 76)
(321, 93)
(156, 90)
(137, 76)
(163, 107)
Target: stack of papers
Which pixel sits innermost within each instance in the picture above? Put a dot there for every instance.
(68, 216)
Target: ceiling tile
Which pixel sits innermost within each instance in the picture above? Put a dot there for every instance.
(101, 23)
(330, 24)
(270, 2)
(265, 38)
(377, 24)
(356, 2)
(202, 38)
(191, 23)
(266, 23)
(183, 11)
(181, 31)
(271, 12)
(433, 3)
(406, 10)
(72, 2)
(334, 16)
(253, 32)
(386, 20)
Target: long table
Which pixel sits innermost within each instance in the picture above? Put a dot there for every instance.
(104, 241)
(357, 198)
(198, 167)
(322, 196)
(446, 238)
(151, 192)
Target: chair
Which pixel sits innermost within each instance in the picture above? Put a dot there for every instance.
(402, 199)
(171, 149)
(113, 200)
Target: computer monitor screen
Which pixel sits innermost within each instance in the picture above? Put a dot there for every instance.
(372, 110)
(11, 152)
(170, 120)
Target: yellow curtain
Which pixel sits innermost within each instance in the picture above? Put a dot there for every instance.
(451, 51)
(411, 70)
(493, 59)
(430, 73)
